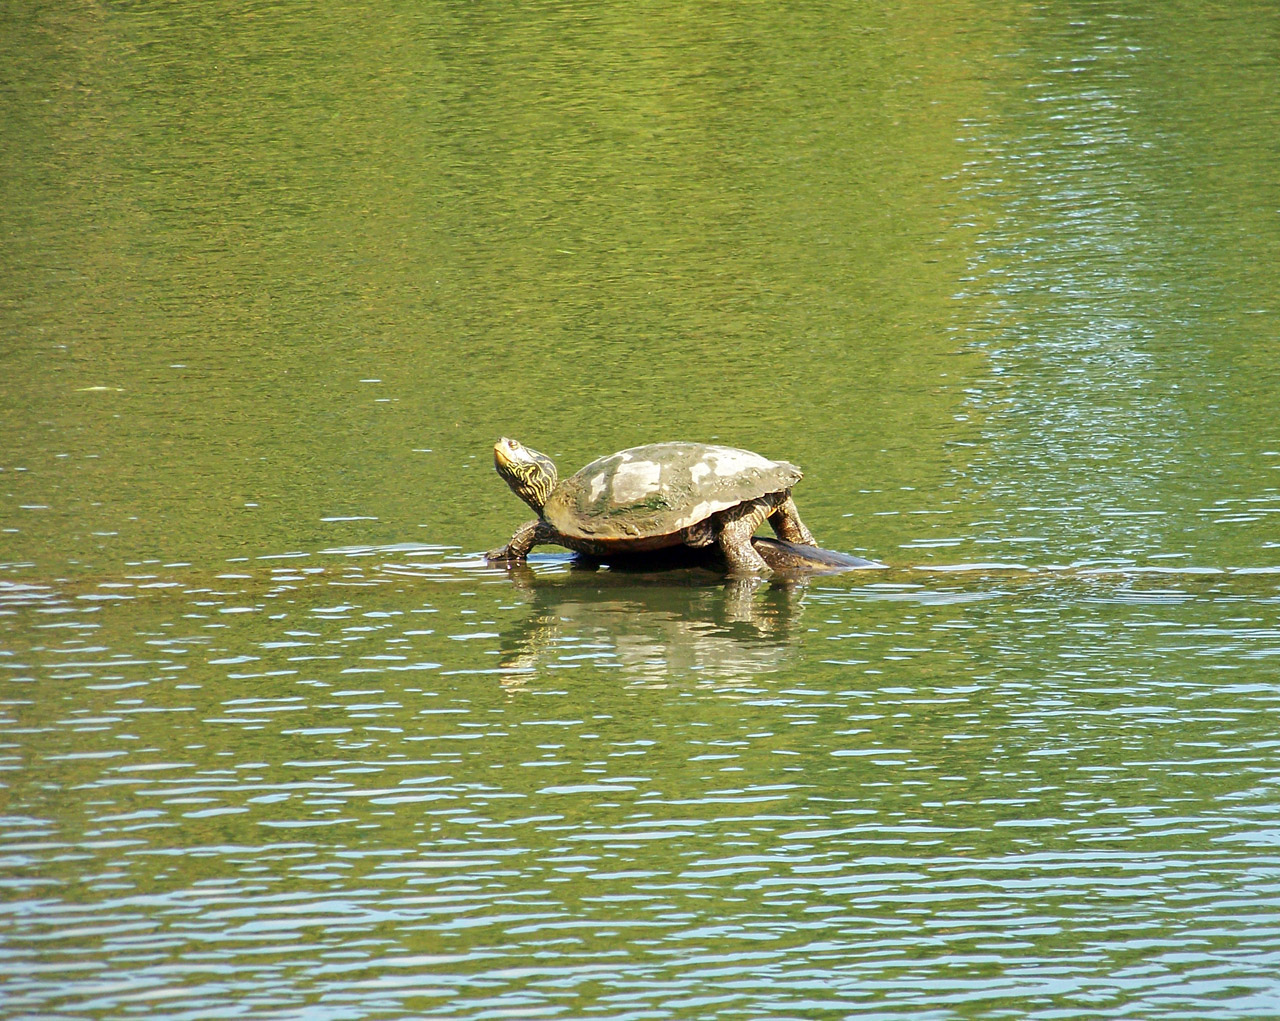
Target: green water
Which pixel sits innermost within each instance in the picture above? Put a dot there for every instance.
(275, 742)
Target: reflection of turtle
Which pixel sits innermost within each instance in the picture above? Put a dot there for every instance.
(657, 626)
(651, 497)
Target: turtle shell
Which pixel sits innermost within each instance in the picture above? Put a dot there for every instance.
(661, 488)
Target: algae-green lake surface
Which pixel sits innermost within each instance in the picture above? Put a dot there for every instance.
(275, 742)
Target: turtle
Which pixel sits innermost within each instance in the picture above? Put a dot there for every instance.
(652, 497)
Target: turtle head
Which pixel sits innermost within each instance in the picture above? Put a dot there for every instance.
(530, 475)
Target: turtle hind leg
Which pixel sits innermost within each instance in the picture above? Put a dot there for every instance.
(735, 528)
(528, 535)
(786, 524)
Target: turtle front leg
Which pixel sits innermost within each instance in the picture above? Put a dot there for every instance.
(735, 528)
(528, 535)
(787, 525)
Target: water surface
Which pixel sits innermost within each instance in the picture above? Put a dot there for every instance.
(277, 743)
